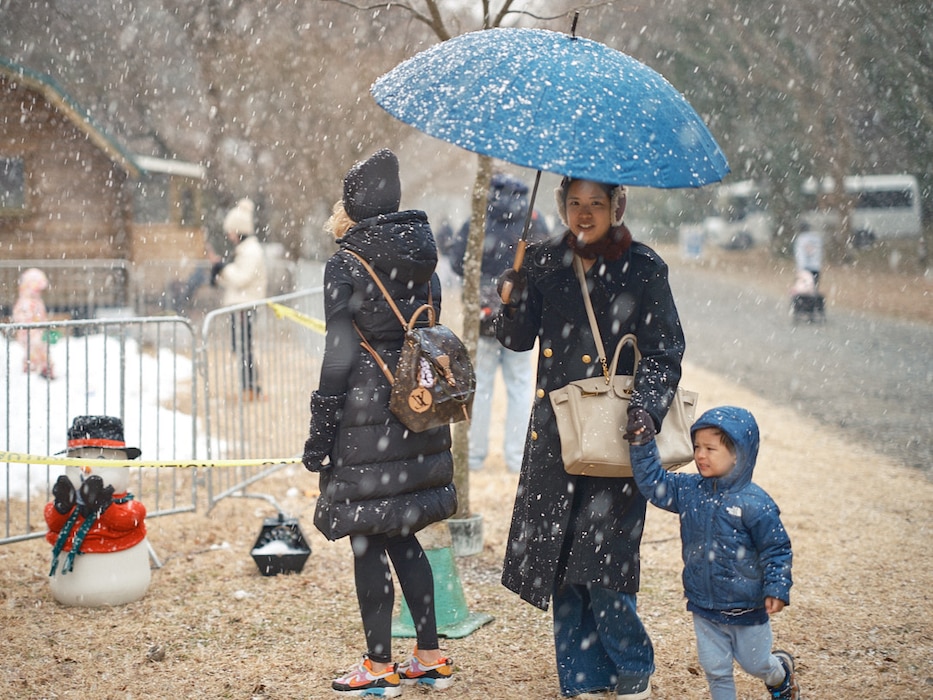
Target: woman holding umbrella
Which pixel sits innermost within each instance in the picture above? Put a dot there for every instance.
(574, 540)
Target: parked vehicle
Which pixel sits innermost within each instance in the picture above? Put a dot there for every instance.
(740, 219)
(883, 206)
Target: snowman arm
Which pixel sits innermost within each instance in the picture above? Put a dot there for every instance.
(65, 495)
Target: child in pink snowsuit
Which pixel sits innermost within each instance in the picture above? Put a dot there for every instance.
(30, 308)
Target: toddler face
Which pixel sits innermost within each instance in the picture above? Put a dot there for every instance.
(713, 458)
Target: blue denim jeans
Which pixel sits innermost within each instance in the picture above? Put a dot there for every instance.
(599, 640)
(749, 645)
(518, 375)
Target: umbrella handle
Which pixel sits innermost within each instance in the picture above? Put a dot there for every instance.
(517, 265)
(523, 241)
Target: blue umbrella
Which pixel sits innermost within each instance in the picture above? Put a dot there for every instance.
(554, 102)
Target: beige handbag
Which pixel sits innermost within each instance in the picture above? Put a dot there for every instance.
(592, 413)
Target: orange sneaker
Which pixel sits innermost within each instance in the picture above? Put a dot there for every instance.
(361, 681)
(439, 676)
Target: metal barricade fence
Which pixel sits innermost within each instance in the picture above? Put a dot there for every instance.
(183, 286)
(77, 288)
(141, 370)
(260, 362)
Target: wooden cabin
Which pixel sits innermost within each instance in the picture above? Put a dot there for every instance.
(77, 204)
(167, 241)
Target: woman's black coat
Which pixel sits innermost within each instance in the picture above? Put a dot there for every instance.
(579, 529)
(383, 478)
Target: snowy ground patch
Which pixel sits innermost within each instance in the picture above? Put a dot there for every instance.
(36, 414)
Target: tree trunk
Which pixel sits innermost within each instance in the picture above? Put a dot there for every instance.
(472, 261)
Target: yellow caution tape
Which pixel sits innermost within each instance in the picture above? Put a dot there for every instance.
(22, 458)
(282, 311)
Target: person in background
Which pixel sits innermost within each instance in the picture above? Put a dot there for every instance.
(506, 210)
(380, 482)
(574, 540)
(244, 280)
(737, 554)
(30, 308)
(808, 252)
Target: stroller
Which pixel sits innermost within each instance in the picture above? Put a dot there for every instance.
(807, 304)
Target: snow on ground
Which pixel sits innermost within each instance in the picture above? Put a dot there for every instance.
(36, 414)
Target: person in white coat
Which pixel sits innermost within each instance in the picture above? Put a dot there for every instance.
(244, 280)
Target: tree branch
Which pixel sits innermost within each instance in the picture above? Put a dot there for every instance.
(434, 21)
(545, 18)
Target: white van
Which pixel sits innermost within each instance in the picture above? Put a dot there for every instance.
(740, 218)
(884, 206)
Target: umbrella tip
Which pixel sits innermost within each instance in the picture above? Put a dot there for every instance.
(573, 24)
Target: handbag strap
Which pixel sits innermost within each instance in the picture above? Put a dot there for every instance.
(608, 369)
(581, 276)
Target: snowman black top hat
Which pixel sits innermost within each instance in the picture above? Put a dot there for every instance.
(99, 431)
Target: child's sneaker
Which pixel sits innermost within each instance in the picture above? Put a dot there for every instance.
(439, 676)
(360, 681)
(788, 689)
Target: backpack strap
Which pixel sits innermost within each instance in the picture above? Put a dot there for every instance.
(382, 288)
(407, 325)
(401, 319)
(376, 356)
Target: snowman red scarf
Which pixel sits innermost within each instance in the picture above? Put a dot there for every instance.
(105, 524)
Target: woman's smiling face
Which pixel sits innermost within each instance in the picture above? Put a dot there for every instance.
(588, 215)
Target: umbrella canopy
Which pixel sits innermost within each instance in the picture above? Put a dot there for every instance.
(549, 101)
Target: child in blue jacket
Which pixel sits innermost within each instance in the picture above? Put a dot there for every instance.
(737, 555)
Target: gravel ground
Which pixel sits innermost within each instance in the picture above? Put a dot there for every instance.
(211, 626)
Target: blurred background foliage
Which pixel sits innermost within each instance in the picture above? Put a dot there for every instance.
(273, 96)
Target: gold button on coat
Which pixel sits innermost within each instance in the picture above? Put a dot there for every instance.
(548, 352)
(540, 393)
(587, 359)
(534, 434)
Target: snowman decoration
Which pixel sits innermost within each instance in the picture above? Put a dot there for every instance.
(100, 554)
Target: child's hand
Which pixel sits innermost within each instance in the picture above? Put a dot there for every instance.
(640, 429)
(773, 605)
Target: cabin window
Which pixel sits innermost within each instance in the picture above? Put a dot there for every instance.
(12, 184)
(152, 200)
(188, 206)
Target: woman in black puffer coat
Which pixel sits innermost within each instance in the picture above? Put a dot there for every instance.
(380, 483)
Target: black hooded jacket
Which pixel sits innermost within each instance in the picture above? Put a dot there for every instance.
(383, 478)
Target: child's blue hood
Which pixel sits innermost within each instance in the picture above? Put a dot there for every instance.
(741, 427)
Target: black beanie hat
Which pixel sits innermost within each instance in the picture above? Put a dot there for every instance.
(372, 186)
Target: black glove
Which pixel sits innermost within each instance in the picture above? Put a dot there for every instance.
(95, 495)
(519, 286)
(325, 416)
(65, 496)
(215, 270)
(640, 429)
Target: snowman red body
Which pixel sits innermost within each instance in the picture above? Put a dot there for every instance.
(98, 532)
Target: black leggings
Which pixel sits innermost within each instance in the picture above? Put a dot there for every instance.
(241, 330)
(376, 594)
